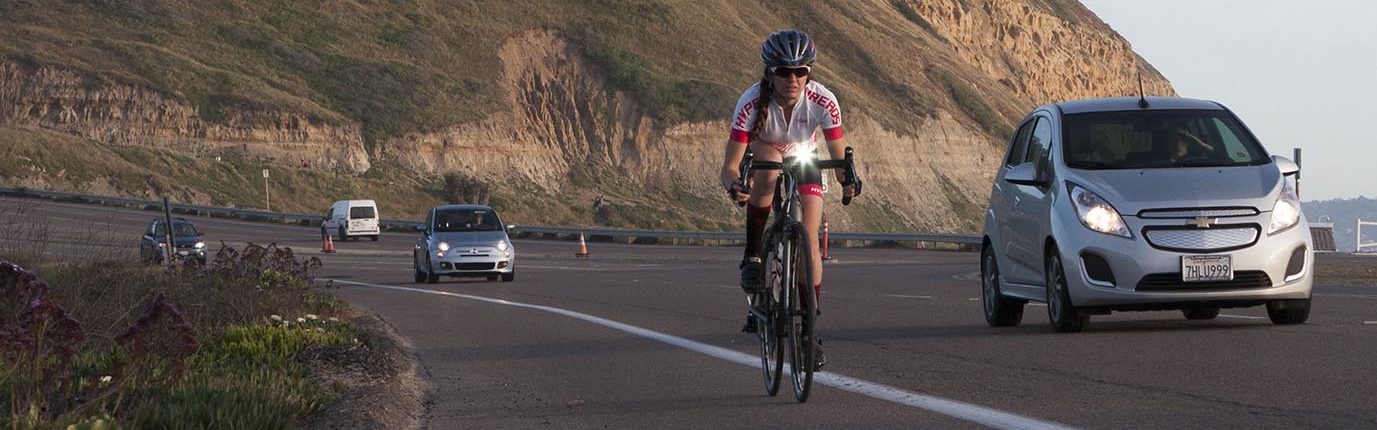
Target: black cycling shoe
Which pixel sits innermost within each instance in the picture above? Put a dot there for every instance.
(752, 275)
(751, 325)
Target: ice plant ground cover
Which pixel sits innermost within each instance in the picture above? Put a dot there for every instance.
(112, 344)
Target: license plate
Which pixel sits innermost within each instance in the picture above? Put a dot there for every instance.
(183, 253)
(1201, 268)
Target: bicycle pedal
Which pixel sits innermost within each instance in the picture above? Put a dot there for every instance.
(750, 326)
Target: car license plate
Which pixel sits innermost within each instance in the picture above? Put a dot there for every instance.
(1201, 268)
(183, 253)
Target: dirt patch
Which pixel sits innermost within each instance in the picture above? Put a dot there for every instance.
(378, 378)
(1334, 268)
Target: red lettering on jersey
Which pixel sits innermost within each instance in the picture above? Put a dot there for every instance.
(827, 104)
(745, 114)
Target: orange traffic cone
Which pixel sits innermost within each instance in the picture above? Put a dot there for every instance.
(583, 247)
(329, 246)
(825, 239)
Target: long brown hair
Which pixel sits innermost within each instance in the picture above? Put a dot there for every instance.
(762, 104)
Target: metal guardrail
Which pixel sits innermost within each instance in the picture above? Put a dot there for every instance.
(406, 225)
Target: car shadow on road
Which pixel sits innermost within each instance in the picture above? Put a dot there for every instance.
(1036, 329)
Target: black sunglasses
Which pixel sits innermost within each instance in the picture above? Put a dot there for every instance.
(797, 72)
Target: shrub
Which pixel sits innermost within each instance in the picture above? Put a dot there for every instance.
(183, 347)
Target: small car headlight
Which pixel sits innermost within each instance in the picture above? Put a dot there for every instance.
(1097, 214)
(1286, 213)
(501, 245)
(200, 245)
(444, 246)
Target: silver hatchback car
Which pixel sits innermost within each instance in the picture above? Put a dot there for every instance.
(1129, 204)
(464, 241)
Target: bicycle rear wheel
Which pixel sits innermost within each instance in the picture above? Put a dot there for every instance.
(801, 310)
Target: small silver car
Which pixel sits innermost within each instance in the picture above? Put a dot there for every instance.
(1136, 204)
(464, 240)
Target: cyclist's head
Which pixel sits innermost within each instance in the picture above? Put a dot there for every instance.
(788, 48)
(788, 56)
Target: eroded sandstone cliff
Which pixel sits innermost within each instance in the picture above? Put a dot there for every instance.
(925, 86)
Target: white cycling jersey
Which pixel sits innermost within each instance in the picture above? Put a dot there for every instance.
(791, 136)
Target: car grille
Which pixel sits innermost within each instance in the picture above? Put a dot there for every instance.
(474, 266)
(1202, 239)
(1243, 280)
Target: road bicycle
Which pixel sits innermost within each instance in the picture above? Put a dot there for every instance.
(786, 307)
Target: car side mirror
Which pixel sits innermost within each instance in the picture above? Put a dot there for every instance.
(1023, 174)
(510, 227)
(1286, 166)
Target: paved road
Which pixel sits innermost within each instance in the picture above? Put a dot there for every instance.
(642, 336)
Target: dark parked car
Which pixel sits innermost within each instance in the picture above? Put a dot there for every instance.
(187, 238)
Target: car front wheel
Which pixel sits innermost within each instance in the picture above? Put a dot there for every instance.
(999, 311)
(509, 276)
(1064, 316)
(1288, 312)
(1200, 313)
(416, 265)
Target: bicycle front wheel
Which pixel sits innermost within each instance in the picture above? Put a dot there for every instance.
(765, 311)
(801, 310)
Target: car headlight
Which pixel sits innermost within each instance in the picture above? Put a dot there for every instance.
(200, 245)
(1286, 213)
(501, 245)
(444, 246)
(1097, 214)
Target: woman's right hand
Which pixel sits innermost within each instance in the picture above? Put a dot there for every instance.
(731, 181)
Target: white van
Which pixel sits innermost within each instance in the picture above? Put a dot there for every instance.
(352, 218)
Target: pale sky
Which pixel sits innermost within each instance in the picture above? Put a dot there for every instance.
(1299, 74)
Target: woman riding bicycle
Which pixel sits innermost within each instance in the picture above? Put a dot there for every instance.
(795, 107)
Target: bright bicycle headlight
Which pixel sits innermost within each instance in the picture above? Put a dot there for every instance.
(1286, 213)
(1096, 214)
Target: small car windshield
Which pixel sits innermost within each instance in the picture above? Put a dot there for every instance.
(452, 220)
(1158, 139)
(182, 229)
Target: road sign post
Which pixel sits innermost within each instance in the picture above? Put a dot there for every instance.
(266, 201)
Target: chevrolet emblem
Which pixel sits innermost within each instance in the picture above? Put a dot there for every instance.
(1202, 222)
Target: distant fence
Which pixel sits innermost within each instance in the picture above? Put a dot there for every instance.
(630, 235)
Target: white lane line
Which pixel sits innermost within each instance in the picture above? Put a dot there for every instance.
(1370, 322)
(972, 276)
(960, 410)
(1242, 317)
(902, 296)
(1038, 304)
(973, 299)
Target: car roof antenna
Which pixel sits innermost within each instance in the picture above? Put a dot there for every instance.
(1142, 99)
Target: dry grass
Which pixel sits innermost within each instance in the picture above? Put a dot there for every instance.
(1345, 269)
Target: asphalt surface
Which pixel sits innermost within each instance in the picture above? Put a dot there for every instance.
(645, 336)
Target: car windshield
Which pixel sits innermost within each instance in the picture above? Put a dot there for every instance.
(451, 220)
(180, 228)
(1158, 139)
